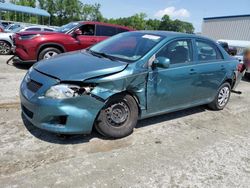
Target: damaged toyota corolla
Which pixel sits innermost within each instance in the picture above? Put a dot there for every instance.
(130, 76)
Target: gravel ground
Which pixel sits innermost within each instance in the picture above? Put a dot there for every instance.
(191, 148)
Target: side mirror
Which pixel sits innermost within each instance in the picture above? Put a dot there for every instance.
(77, 32)
(162, 62)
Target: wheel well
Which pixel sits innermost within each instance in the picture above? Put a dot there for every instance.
(6, 42)
(50, 46)
(134, 97)
(230, 81)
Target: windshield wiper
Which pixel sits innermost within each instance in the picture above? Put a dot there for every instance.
(101, 54)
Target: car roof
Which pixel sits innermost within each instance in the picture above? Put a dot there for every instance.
(38, 26)
(171, 34)
(106, 24)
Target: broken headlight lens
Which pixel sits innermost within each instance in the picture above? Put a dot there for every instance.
(63, 91)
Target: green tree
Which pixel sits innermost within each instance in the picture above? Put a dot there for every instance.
(175, 25)
(91, 12)
(153, 24)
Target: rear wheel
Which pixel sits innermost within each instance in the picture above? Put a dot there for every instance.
(48, 53)
(5, 48)
(222, 97)
(118, 118)
(247, 75)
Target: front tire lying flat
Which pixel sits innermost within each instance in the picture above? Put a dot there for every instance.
(222, 97)
(118, 118)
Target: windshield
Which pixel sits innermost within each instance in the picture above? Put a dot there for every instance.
(128, 46)
(11, 27)
(16, 30)
(67, 27)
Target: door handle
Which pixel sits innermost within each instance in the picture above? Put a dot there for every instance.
(93, 40)
(192, 72)
(222, 67)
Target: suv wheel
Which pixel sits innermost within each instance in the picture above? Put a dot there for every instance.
(247, 75)
(48, 53)
(5, 48)
(118, 118)
(222, 97)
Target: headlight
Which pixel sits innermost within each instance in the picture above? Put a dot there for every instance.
(28, 37)
(63, 91)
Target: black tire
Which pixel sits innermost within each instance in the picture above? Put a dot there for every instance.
(118, 117)
(45, 51)
(247, 75)
(5, 48)
(222, 97)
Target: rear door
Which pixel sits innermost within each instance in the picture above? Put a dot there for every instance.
(211, 67)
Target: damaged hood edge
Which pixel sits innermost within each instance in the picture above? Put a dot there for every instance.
(78, 66)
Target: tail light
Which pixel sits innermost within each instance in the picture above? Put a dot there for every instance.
(240, 67)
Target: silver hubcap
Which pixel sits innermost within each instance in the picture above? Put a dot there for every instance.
(223, 96)
(117, 113)
(49, 54)
(4, 48)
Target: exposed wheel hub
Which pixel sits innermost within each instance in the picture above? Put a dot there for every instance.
(117, 113)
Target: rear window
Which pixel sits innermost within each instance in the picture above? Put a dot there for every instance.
(33, 29)
(102, 30)
(48, 29)
(121, 30)
(208, 51)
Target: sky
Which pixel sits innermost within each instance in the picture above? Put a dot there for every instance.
(187, 10)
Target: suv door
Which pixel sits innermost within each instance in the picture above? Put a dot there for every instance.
(172, 88)
(211, 68)
(87, 38)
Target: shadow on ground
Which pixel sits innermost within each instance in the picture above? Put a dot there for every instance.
(78, 139)
(23, 66)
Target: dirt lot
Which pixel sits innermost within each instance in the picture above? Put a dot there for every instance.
(191, 148)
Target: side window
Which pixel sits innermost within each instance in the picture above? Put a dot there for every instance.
(207, 51)
(179, 51)
(33, 29)
(88, 29)
(121, 30)
(102, 30)
(48, 29)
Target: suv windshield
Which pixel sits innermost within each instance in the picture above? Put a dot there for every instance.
(67, 27)
(128, 47)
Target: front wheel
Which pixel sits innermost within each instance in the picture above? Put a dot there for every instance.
(222, 97)
(247, 75)
(48, 53)
(118, 118)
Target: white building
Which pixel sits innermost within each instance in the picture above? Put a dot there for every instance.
(227, 27)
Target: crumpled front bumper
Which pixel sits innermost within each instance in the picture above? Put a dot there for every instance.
(69, 116)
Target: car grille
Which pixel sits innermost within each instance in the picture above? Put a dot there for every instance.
(34, 86)
(27, 112)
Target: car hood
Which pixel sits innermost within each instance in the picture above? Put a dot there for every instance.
(6, 34)
(78, 66)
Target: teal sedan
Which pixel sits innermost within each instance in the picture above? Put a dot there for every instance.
(130, 76)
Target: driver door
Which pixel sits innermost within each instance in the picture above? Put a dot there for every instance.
(87, 38)
(172, 88)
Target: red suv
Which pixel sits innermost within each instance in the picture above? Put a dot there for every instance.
(35, 46)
